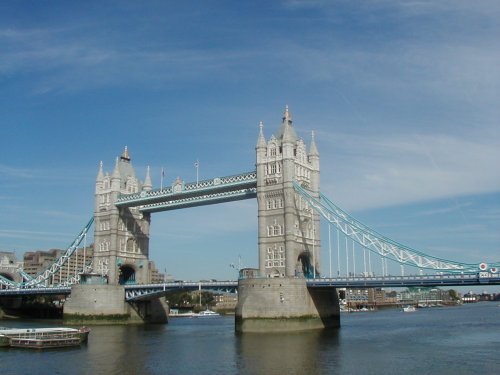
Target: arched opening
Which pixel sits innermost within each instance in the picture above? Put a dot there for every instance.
(6, 276)
(307, 267)
(127, 275)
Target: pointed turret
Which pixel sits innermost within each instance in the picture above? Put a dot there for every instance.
(313, 150)
(100, 174)
(99, 182)
(261, 141)
(286, 127)
(115, 177)
(314, 160)
(148, 185)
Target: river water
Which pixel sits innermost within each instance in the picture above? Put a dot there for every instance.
(439, 340)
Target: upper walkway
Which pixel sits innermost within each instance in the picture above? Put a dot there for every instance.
(183, 195)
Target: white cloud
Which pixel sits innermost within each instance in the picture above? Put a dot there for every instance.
(365, 172)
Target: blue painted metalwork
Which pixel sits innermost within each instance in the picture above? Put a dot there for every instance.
(180, 195)
(148, 291)
(478, 278)
(378, 243)
(54, 268)
(144, 292)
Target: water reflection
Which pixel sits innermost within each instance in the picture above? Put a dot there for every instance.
(285, 353)
(122, 349)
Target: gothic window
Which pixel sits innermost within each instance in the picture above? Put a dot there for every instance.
(280, 202)
(275, 257)
(277, 230)
(268, 204)
(273, 151)
(273, 168)
(274, 203)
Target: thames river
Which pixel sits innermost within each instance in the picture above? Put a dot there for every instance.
(439, 340)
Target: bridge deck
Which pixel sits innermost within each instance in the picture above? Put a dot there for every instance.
(145, 291)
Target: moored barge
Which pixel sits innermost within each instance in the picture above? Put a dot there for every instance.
(40, 338)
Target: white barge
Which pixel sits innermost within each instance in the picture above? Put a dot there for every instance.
(40, 338)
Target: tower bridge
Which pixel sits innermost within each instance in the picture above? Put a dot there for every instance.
(286, 291)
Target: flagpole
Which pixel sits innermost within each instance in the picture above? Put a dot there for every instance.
(161, 178)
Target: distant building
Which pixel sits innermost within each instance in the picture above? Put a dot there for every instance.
(36, 262)
(155, 276)
(226, 301)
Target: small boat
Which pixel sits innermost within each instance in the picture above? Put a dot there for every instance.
(176, 314)
(409, 309)
(40, 338)
(207, 313)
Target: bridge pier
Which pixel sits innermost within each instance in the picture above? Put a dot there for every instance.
(105, 304)
(284, 304)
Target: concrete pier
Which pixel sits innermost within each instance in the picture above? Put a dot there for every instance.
(105, 304)
(284, 304)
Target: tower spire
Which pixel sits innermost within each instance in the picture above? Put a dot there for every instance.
(261, 141)
(148, 185)
(313, 150)
(287, 116)
(100, 174)
(286, 128)
(125, 155)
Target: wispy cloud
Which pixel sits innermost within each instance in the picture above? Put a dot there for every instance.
(32, 235)
(398, 170)
(23, 173)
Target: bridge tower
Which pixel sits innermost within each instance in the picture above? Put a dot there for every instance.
(289, 241)
(289, 231)
(121, 250)
(121, 235)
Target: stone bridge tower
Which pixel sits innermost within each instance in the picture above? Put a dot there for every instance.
(121, 235)
(278, 299)
(289, 238)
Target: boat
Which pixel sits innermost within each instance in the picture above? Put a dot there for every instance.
(177, 314)
(207, 314)
(409, 308)
(40, 338)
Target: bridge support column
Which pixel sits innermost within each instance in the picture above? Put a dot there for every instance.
(284, 304)
(105, 304)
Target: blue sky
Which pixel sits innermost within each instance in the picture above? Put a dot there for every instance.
(403, 98)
